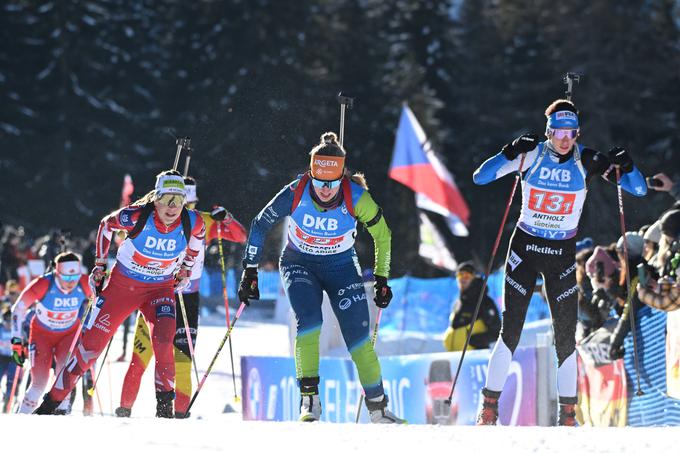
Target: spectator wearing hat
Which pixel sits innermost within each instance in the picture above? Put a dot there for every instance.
(486, 327)
(651, 236)
(664, 293)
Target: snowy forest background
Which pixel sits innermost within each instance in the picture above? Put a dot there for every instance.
(91, 90)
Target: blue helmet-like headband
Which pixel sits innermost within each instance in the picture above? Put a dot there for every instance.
(564, 119)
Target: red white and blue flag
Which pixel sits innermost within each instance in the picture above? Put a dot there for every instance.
(127, 191)
(415, 165)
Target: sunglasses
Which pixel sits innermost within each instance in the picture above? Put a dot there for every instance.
(464, 275)
(70, 278)
(562, 133)
(170, 199)
(319, 184)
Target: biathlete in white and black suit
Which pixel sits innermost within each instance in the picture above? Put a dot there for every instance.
(555, 176)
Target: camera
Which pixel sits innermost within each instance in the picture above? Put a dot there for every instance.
(599, 266)
(653, 182)
(643, 273)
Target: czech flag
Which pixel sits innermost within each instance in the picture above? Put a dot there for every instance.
(415, 165)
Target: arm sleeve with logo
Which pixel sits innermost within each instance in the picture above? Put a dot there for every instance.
(33, 292)
(278, 208)
(365, 210)
(123, 219)
(597, 163)
(498, 166)
(195, 242)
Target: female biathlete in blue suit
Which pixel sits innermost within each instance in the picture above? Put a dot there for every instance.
(324, 205)
(555, 175)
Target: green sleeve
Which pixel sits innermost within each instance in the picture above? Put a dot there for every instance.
(365, 210)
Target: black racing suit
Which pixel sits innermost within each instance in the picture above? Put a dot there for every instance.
(544, 242)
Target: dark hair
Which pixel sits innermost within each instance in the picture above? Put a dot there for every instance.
(560, 105)
(169, 172)
(189, 181)
(65, 257)
(328, 146)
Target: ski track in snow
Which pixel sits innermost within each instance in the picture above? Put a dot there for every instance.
(210, 429)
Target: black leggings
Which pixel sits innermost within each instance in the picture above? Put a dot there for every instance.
(527, 257)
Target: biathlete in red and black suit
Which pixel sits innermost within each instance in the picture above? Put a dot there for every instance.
(156, 258)
(58, 297)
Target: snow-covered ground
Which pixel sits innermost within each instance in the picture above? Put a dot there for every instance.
(211, 429)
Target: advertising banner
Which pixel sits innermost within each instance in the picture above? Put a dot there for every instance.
(417, 387)
(673, 354)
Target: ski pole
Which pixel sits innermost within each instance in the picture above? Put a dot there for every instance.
(569, 79)
(346, 102)
(486, 277)
(90, 391)
(219, 349)
(631, 307)
(187, 147)
(90, 303)
(17, 371)
(226, 306)
(374, 339)
(182, 143)
(186, 161)
(188, 332)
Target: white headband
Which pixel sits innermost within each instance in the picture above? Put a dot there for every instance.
(171, 184)
(68, 268)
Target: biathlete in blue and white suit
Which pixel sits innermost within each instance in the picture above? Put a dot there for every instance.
(555, 176)
(324, 205)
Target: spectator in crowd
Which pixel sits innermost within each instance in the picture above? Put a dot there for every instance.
(664, 293)
(651, 236)
(7, 365)
(486, 328)
(662, 183)
(634, 243)
(602, 269)
(11, 257)
(587, 316)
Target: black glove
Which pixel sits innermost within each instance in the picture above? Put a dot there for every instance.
(248, 288)
(522, 144)
(383, 293)
(461, 320)
(619, 156)
(600, 162)
(219, 213)
(616, 351)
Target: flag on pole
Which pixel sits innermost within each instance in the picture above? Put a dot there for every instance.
(432, 246)
(415, 165)
(126, 192)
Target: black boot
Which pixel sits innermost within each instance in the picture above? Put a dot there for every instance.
(488, 415)
(47, 407)
(164, 404)
(567, 411)
(182, 414)
(123, 412)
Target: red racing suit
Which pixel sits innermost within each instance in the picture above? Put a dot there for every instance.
(52, 328)
(230, 230)
(142, 278)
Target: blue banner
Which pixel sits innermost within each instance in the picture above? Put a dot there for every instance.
(417, 387)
